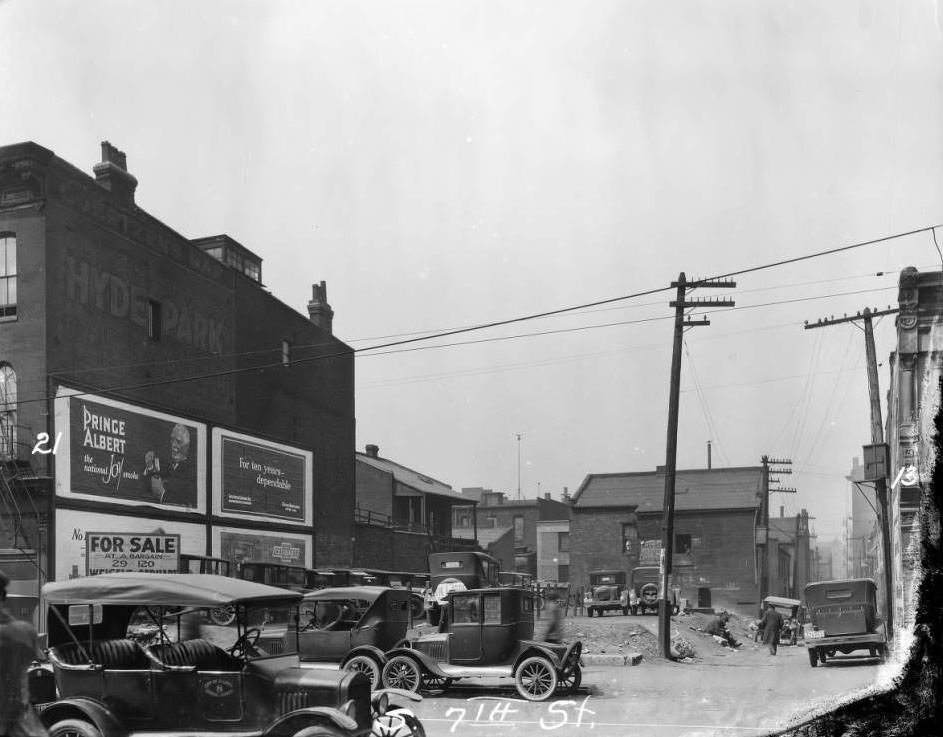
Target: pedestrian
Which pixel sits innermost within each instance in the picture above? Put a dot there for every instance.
(554, 632)
(771, 625)
(17, 651)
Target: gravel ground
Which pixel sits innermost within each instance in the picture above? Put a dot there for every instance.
(618, 634)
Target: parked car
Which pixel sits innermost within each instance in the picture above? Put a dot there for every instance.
(98, 681)
(353, 627)
(844, 619)
(792, 626)
(643, 590)
(606, 592)
(485, 633)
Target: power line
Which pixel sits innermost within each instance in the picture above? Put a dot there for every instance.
(510, 321)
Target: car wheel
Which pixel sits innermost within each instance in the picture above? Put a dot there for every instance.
(569, 683)
(822, 656)
(398, 723)
(366, 665)
(813, 657)
(435, 684)
(74, 728)
(882, 653)
(402, 672)
(223, 615)
(319, 730)
(635, 611)
(625, 611)
(536, 679)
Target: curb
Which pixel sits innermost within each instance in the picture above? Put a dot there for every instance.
(629, 659)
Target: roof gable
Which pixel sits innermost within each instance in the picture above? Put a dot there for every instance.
(411, 478)
(695, 490)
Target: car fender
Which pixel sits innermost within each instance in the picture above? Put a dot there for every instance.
(530, 649)
(424, 659)
(374, 652)
(87, 709)
(295, 721)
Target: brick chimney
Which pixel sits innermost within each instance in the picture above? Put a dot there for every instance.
(112, 174)
(373, 451)
(320, 311)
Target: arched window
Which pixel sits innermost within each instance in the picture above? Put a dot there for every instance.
(7, 275)
(7, 411)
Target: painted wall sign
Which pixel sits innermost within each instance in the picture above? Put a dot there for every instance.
(115, 552)
(260, 479)
(125, 454)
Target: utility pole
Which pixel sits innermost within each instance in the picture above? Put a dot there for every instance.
(770, 484)
(667, 529)
(877, 438)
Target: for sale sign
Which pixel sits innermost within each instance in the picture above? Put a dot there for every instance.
(114, 552)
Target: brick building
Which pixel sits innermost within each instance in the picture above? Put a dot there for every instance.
(494, 509)
(790, 561)
(618, 516)
(401, 515)
(150, 384)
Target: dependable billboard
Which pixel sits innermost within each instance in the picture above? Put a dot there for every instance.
(259, 479)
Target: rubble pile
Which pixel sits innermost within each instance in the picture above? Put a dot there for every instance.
(611, 636)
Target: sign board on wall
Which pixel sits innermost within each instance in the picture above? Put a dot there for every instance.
(259, 479)
(116, 452)
(72, 527)
(238, 546)
(649, 552)
(114, 552)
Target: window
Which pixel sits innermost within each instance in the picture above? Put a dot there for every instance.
(153, 320)
(491, 603)
(465, 609)
(563, 573)
(563, 542)
(7, 275)
(683, 544)
(630, 544)
(286, 352)
(7, 412)
(518, 529)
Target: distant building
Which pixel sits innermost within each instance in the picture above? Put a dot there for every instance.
(790, 554)
(401, 515)
(494, 510)
(553, 550)
(864, 542)
(497, 542)
(617, 518)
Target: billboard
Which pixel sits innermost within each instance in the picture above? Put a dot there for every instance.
(238, 546)
(122, 552)
(73, 526)
(262, 480)
(117, 452)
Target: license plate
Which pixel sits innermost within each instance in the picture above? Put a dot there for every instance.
(815, 634)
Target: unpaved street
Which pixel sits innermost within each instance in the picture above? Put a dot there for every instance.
(719, 692)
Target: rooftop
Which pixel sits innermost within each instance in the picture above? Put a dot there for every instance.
(409, 477)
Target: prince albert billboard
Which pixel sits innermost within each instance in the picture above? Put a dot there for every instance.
(128, 454)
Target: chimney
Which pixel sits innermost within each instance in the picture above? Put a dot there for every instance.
(373, 451)
(112, 174)
(708, 455)
(546, 495)
(319, 310)
(782, 512)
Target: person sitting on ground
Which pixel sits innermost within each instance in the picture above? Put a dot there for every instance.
(718, 627)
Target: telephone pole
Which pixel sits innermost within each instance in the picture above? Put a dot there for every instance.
(770, 485)
(667, 529)
(877, 438)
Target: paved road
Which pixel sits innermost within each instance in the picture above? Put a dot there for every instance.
(747, 692)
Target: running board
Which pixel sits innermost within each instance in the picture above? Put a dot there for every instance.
(476, 671)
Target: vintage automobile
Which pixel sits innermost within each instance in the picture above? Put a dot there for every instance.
(99, 682)
(844, 619)
(485, 633)
(606, 592)
(790, 609)
(643, 590)
(352, 627)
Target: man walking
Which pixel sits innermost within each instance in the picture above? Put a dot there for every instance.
(17, 650)
(770, 625)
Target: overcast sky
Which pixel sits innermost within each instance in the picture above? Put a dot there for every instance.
(445, 164)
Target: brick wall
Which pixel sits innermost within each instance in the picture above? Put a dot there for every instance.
(596, 542)
(389, 550)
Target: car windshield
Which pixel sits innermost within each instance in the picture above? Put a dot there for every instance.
(261, 624)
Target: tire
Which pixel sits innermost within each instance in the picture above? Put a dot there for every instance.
(813, 657)
(625, 611)
(536, 679)
(635, 611)
(393, 722)
(402, 672)
(589, 612)
(366, 665)
(434, 684)
(822, 656)
(567, 685)
(223, 615)
(74, 728)
(319, 730)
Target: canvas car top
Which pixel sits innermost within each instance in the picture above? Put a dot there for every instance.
(366, 593)
(781, 601)
(171, 589)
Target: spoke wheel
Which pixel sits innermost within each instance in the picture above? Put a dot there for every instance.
(435, 684)
(223, 615)
(536, 679)
(569, 683)
(74, 728)
(366, 665)
(402, 672)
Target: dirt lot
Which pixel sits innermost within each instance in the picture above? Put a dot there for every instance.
(615, 634)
